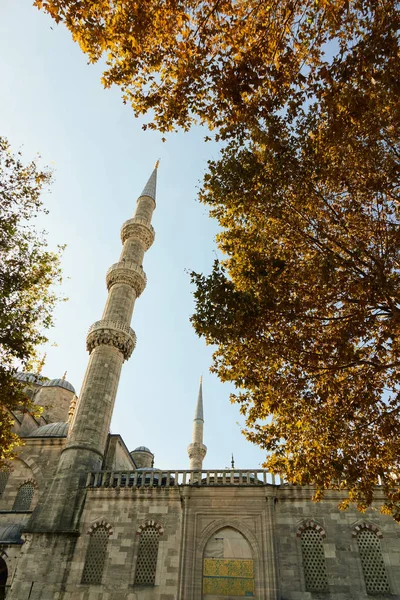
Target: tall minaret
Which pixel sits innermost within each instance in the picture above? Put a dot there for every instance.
(197, 450)
(109, 342)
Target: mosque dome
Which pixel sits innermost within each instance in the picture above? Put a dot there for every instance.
(30, 378)
(58, 430)
(142, 449)
(11, 534)
(63, 383)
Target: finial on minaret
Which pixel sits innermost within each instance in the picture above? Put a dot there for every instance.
(197, 450)
(233, 462)
(157, 163)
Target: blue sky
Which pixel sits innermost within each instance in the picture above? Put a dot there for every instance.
(53, 103)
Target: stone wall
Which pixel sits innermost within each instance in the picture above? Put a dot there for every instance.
(294, 509)
(270, 518)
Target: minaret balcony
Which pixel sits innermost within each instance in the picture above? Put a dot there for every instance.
(129, 273)
(139, 229)
(111, 333)
(197, 450)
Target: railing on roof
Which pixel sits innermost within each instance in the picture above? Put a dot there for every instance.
(159, 478)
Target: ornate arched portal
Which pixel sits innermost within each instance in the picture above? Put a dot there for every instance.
(228, 566)
(3, 578)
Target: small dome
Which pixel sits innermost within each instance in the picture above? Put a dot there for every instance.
(63, 383)
(142, 449)
(11, 534)
(30, 378)
(51, 430)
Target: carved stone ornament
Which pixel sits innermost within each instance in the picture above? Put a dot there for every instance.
(129, 273)
(111, 333)
(140, 229)
(197, 450)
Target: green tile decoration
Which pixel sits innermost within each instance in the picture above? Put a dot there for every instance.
(228, 577)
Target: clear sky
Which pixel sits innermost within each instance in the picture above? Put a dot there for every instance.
(53, 103)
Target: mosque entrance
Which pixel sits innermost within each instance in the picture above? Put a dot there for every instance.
(3, 578)
(228, 566)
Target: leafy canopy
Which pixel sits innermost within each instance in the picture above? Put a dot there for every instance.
(304, 308)
(28, 271)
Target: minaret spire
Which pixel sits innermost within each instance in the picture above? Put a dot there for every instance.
(109, 342)
(197, 450)
(150, 188)
(199, 414)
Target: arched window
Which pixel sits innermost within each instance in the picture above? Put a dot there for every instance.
(228, 567)
(24, 496)
(312, 549)
(96, 555)
(3, 578)
(4, 475)
(146, 564)
(375, 576)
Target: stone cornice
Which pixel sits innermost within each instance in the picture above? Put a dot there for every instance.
(140, 229)
(127, 272)
(111, 333)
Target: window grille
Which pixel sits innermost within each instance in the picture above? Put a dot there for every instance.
(95, 556)
(24, 496)
(4, 475)
(375, 576)
(147, 557)
(314, 561)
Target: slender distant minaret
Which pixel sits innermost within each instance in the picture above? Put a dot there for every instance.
(109, 342)
(197, 450)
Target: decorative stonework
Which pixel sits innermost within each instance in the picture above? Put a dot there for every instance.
(157, 526)
(31, 481)
(104, 524)
(197, 450)
(140, 229)
(311, 525)
(129, 273)
(369, 526)
(111, 333)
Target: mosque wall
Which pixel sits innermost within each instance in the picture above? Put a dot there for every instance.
(213, 543)
(41, 455)
(55, 402)
(338, 533)
(117, 456)
(19, 474)
(124, 514)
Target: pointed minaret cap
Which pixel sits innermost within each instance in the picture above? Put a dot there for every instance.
(151, 186)
(199, 415)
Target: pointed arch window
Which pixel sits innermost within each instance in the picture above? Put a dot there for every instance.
(146, 565)
(312, 549)
(228, 566)
(4, 475)
(96, 555)
(23, 499)
(375, 576)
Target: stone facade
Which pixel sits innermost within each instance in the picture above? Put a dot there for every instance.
(82, 518)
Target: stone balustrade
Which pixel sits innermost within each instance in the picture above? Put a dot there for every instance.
(138, 228)
(111, 333)
(159, 478)
(127, 272)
